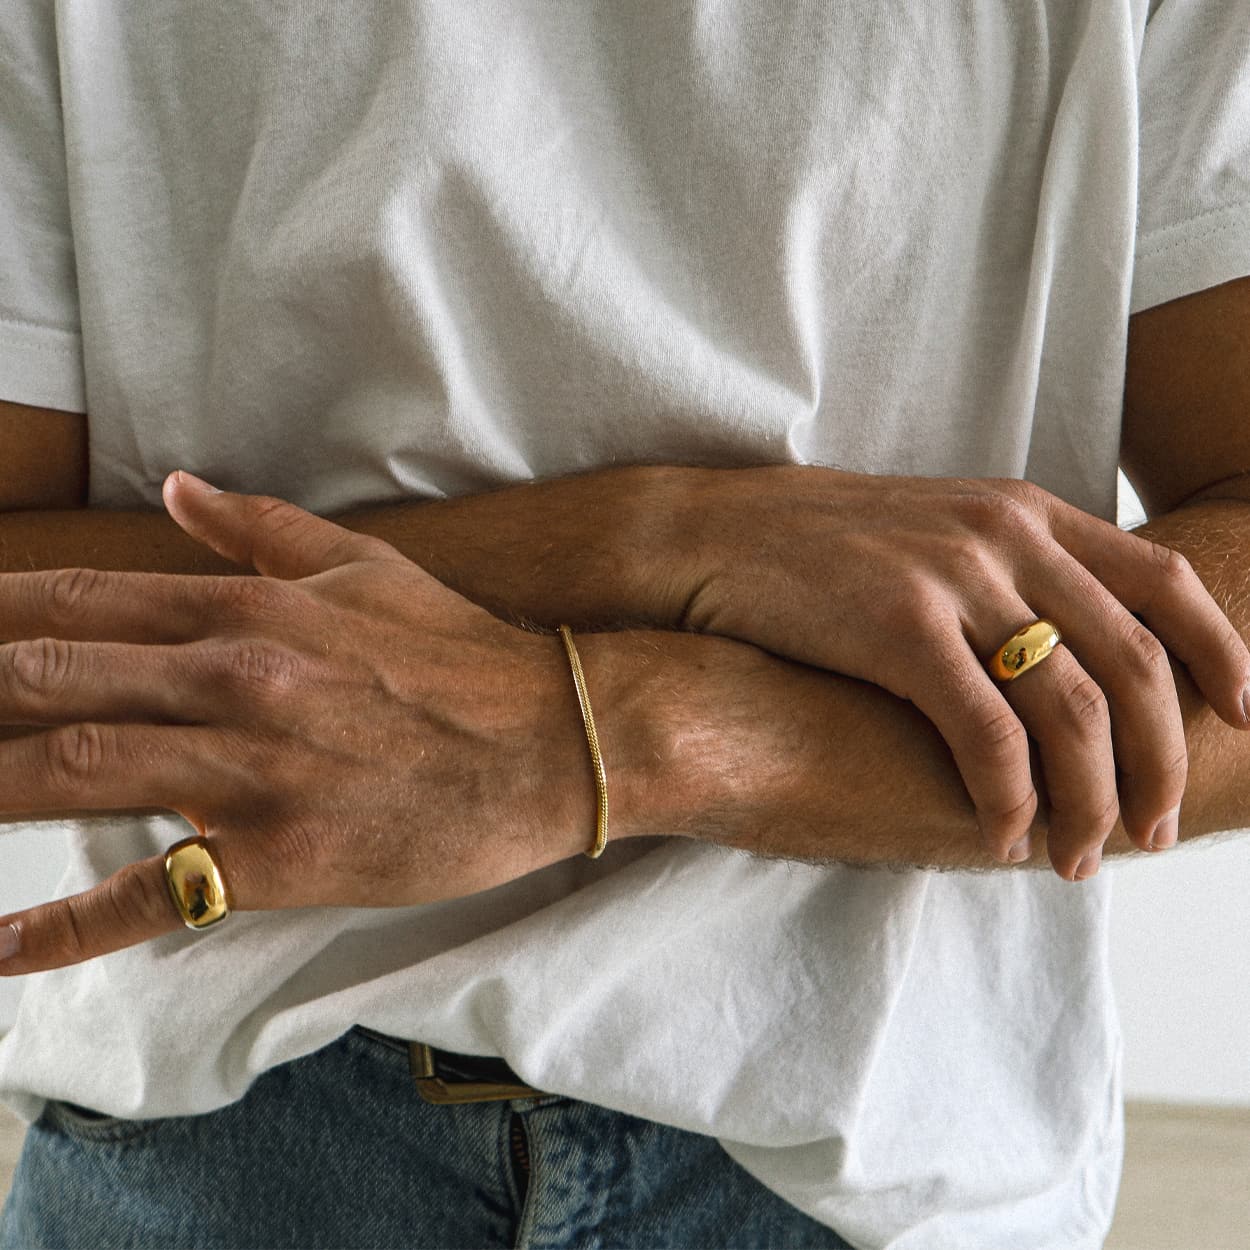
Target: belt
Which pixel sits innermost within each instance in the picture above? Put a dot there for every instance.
(442, 1076)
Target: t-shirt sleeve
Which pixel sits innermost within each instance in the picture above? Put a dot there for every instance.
(40, 338)
(1193, 211)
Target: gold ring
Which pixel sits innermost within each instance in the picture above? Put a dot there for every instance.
(1025, 648)
(196, 884)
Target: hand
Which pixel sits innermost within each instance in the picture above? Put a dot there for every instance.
(911, 583)
(344, 729)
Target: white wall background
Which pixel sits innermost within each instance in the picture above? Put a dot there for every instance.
(1180, 949)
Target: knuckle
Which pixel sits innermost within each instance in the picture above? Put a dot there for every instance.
(66, 930)
(272, 509)
(904, 602)
(1085, 708)
(1142, 654)
(1173, 567)
(993, 512)
(997, 734)
(275, 517)
(258, 669)
(980, 510)
(1103, 816)
(69, 592)
(915, 603)
(366, 546)
(1009, 818)
(1036, 498)
(1033, 497)
(976, 562)
(133, 903)
(42, 666)
(75, 756)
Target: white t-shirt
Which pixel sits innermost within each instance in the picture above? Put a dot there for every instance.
(350, 254)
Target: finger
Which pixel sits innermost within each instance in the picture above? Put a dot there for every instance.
(990, 748)
(1066, 714)
(1131, 667)
(131, 906)
(153, 608)
(1160, 585)
(104, 767)
(49, 681)
(89, 605)
(272, 536)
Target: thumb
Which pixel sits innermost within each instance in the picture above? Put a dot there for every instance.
(274, 537)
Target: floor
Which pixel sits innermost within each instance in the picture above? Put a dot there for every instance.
(1186, 1178)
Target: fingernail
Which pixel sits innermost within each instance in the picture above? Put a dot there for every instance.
(191, 482)
(10, 941)
(1166, 831)
(1245, 704)
(1088, 866)
(1020, 852)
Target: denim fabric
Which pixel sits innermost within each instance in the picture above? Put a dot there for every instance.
(337, 1149)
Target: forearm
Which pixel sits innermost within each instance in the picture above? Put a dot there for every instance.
(725, 743)
(130, 542)
(606, 548)
(1215, 537)
(593, 550)
(705, 736)
(43, 457)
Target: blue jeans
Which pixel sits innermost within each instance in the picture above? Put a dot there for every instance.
(338, 1149)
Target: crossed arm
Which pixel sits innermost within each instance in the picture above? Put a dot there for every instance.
(707, 736)
(704, 736)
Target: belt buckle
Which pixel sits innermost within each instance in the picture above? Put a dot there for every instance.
(437, 1089)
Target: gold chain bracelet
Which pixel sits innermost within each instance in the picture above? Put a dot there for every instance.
(596, 756)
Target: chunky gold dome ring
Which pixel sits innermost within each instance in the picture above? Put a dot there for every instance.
(1024, 649)
(196, 884)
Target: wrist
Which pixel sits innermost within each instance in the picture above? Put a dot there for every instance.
(628, 682)
(666, 540)
(736, 526)
(556, 776)
(679, 744)
(631, 729)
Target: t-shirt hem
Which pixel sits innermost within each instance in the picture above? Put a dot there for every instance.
(1191, 255)
(41, 366)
